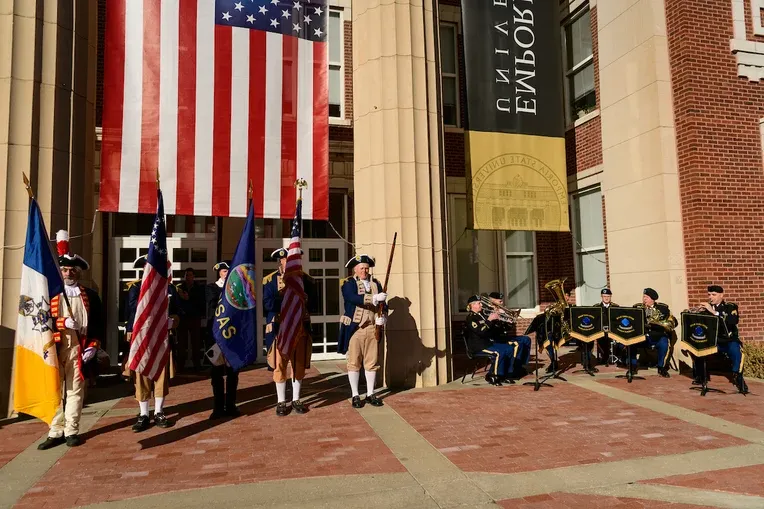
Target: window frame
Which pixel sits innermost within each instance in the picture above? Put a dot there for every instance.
(340, 66)
(534, 276)
(571, 70)
(454, 75)
(579, 251)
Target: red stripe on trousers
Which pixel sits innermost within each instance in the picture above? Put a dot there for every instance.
(147, 195)
(184, 203)
(221, 128)
(320, 182)
(113, 98)
(289, 126)
(256, 149)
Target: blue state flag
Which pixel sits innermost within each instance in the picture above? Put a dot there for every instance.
(37, 386)
(235, 327)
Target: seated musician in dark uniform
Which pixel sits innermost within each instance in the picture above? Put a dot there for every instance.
(728, 341)
(606, 296)
(506, 334)
(479, 333)
(655, 334)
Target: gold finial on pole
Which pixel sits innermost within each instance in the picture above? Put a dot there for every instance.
(157, 177)
(300, 184)
(250, 190)
(28, 185)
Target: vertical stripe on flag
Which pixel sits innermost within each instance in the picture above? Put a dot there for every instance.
(305, 122)
(320, 191)
(273, 80)
(221, 131)
(114, 68)
(205, 83)
(256, 155)
(131, 117)
(184, 204)
(289, 125)
(150, 113)
(238, 182)
(168, 102)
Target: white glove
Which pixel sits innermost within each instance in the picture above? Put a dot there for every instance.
(71, 324)
(88, 354)
(379, 298)
(381, 320)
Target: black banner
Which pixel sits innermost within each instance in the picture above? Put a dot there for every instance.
(586, 323)
(627, 325)
(700, 333)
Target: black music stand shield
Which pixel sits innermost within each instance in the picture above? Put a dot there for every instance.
(700, 336)
(627, 327)
(586, 327)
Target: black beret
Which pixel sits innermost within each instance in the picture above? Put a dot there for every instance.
(473, 298)
(606, 291)
(716, 289)
(651, 293)
(496, 295)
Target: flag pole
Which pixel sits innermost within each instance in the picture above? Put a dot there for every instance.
(300, 184)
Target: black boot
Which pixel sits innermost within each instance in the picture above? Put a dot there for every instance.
(231, 384)
(664, 372)
(742, 387)
(51, 442)
(218, 392)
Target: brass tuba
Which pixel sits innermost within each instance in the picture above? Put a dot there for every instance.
(558, 308)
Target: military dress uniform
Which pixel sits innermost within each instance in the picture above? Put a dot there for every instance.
(505, 333)
(273, 293)
(224, 379)
(146, 387)
(78, 336)
(357, 336)
(480, 336)
(605, 346)
(655, 336)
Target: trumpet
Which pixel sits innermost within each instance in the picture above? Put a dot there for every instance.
(505, 314)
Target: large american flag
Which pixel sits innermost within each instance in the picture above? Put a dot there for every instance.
(293, 308)
(213, 93)
(150, 344)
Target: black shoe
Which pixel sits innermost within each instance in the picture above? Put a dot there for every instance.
(664, 372)
(696, 381)
(51, 442)
(73, 441)
(507, 380)
(373, 400)
(282, 409)
(299, 407)
(161, 421)
(357, 403)
(594, 370)
(142, 424)
(232, 411)
(742, 387)
(493, 380)
(217, 414)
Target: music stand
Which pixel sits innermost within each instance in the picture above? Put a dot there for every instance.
(627, 327)
(549, 324)
(535, 327)
(700, 335)
(586, 327)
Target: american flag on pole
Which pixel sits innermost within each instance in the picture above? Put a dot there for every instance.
(293, 308)
(213, 94)
(150, 343)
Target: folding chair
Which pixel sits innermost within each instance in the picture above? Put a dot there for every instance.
(475, 357)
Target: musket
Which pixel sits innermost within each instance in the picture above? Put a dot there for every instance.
(381, 306)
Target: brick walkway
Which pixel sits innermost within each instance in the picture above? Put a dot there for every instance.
(471, 444)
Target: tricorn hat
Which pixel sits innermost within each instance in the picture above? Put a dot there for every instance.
(65, 258)
(222, 265)
(140, 262)
(361, 258)
(281, 252)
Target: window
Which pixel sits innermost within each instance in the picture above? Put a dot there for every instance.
(449, 75)
(335, 41)
(519, 250)
(473, 256)
(589, 245)
(577, 36)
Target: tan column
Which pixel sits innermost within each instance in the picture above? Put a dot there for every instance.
(640, 184)
(47, 129)
(398, 183)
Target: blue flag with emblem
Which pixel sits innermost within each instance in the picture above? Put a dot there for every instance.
(235, 327)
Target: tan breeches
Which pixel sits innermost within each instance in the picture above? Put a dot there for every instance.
(299, 360)
(363, 349)
(66, 422)
(146, 387)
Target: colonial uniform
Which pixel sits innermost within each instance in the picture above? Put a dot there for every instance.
(223, 391)
(480, 336)
(655, 335)
(357, 336)
(505, 334)
(78, 330)
(273, 293)
(728, 340)
(146, 387)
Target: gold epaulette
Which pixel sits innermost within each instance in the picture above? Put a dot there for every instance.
(267, 279)
(342, 281)
(132, 283)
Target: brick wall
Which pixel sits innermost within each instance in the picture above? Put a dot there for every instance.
(348, 36)
(719, 156)
(99, 61)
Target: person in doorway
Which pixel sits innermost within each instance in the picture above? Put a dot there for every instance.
(192, 300)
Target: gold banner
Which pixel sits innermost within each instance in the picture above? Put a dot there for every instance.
(516, 182)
